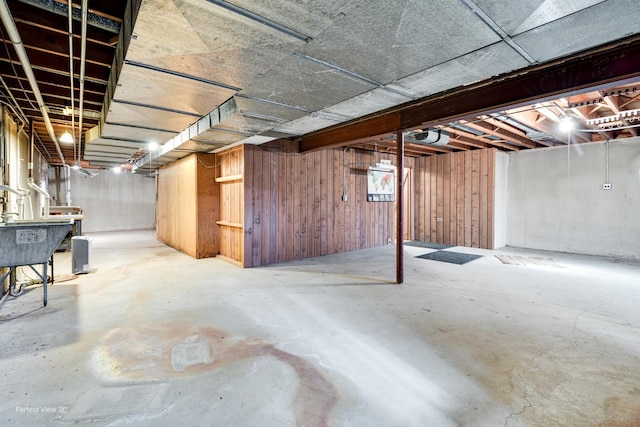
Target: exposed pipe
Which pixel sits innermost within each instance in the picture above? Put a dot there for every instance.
(606, 178)
(344, 175)
(30, 182)
(10, 25)
(20, 200)
(76, 153)
(21, 115)
(73, 97)
(18, 192)
(3, 148)
(67, 179)
(83, 56)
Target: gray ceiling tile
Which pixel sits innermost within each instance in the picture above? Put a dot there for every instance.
(303, 16)
(166, 90)
(388, 40)
(305, 84)
(304, 125)
(148, 117)
(523, 15)
(582, 30)
(115, 131)
(479, 65)
(269, 109)
(369, 102)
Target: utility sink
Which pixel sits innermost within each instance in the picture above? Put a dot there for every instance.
(31, 242)
(38, 222)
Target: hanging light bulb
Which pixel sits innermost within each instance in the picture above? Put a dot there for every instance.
(66, 137)
(566, 124)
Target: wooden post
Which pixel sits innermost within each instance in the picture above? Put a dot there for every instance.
(400, 208)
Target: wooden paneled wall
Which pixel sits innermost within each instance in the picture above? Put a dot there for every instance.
(293, 204)
(230, 177)
(455, 198)
(187, 205)
(258, 205)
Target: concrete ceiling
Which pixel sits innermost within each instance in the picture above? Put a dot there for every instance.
(200, 75)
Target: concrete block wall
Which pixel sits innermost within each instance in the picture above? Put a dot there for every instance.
(556, 200)
(112, 202)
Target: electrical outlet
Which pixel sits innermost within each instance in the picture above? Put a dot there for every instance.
(606, 186)
(344, 198)
(439, 219)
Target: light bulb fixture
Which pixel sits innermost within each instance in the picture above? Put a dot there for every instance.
(66, 137)
(566, 124)
(153, 146)
(116, 169)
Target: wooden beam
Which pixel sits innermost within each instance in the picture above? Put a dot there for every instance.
(336, 137)
(612, 103)
(523, 139)
(592, 69)
(485, 129)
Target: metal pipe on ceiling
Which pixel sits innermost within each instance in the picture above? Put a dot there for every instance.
(83, 57)
(44, 213)
(14, 35)
(73, 96)
(19, 113)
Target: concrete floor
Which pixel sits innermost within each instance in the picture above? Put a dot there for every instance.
(153, 337)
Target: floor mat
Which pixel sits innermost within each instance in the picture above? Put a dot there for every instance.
(450, 257)
(428, 245)
(528, 260)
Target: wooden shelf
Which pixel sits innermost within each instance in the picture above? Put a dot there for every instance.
(229, 178)
(230, 224)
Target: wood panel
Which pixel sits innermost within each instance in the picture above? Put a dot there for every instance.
(187, 205)
(459, 189)
(297, 200)
(233, 223)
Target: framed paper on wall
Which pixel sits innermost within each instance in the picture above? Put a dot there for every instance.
(381, 185)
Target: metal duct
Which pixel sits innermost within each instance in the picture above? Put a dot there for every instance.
(10, 25)
(433, 137)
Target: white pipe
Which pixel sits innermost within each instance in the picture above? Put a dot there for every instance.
(71, 69)
(14, 191)
(32, 184)
(83, 57)
(20, 200)
(30, 181)
(10, 25)
(67, 180)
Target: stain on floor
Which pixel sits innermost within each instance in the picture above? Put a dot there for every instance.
(168, 352)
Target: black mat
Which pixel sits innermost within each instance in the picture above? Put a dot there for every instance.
(428, 245)
(450, 257)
